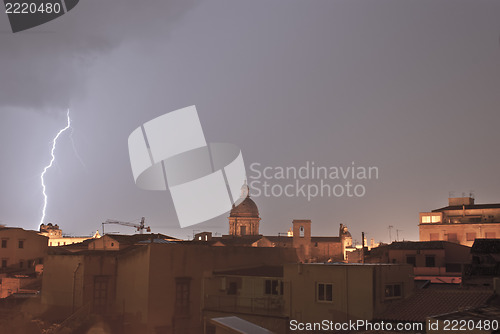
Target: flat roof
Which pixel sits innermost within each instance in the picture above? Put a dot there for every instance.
(469, 207)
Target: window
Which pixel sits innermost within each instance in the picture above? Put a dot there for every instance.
(435, 219)
(490, 235)
(426, 219)
(182, 296)
(4, 263)
(233, 288)
(21, 264)
(100, 294)
(393, 291)
(434, 236)
(4, 243)
(273, 287)
(21, 243)
(430, 261)
(471, 236)
(411, 259)
(324, 292)
(243, 230)
(452, 237)
(301, 231)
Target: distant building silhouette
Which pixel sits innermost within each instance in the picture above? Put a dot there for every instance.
(244, 223)
(56, 237)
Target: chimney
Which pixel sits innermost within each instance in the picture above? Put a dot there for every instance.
(363, 248)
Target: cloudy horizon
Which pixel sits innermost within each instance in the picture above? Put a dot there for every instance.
(409, 87)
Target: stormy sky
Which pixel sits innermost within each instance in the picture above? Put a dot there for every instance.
(411, 87)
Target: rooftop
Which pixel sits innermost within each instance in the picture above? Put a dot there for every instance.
(136, 238)
(487, 312)
(430, 302)
(247, 208)
(419, 244)
(469, 207)
(486, 246)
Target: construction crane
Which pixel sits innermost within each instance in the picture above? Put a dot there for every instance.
(139, 227)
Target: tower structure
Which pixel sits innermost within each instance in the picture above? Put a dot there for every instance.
(244, 218)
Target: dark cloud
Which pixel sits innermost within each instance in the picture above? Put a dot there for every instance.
(44, 68)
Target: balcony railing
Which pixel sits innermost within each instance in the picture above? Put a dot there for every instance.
(272, 305)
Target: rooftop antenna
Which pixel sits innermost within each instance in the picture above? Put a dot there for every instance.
(390, 235)
(471, 194)
(397, 234)
(451, 194)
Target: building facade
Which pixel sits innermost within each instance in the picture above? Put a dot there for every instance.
(244, 221)
(155, 284)
(462, 221)
(274, 297)
(21, 249)
(436, 261)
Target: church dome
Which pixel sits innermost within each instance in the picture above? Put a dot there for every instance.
(247, 208)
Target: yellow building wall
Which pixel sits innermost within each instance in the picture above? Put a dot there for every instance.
(34, 247)
(461, 230)
(53, 242)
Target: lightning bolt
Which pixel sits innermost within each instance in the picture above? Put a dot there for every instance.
(53, 157)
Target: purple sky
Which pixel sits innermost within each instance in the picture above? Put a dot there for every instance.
(411, 87)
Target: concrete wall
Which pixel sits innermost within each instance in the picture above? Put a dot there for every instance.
(400, 255)
(105, 243)
(358, 290)
(62, 283)
(132, 286)
(68, 281)
(323, 251)
(460, 230)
